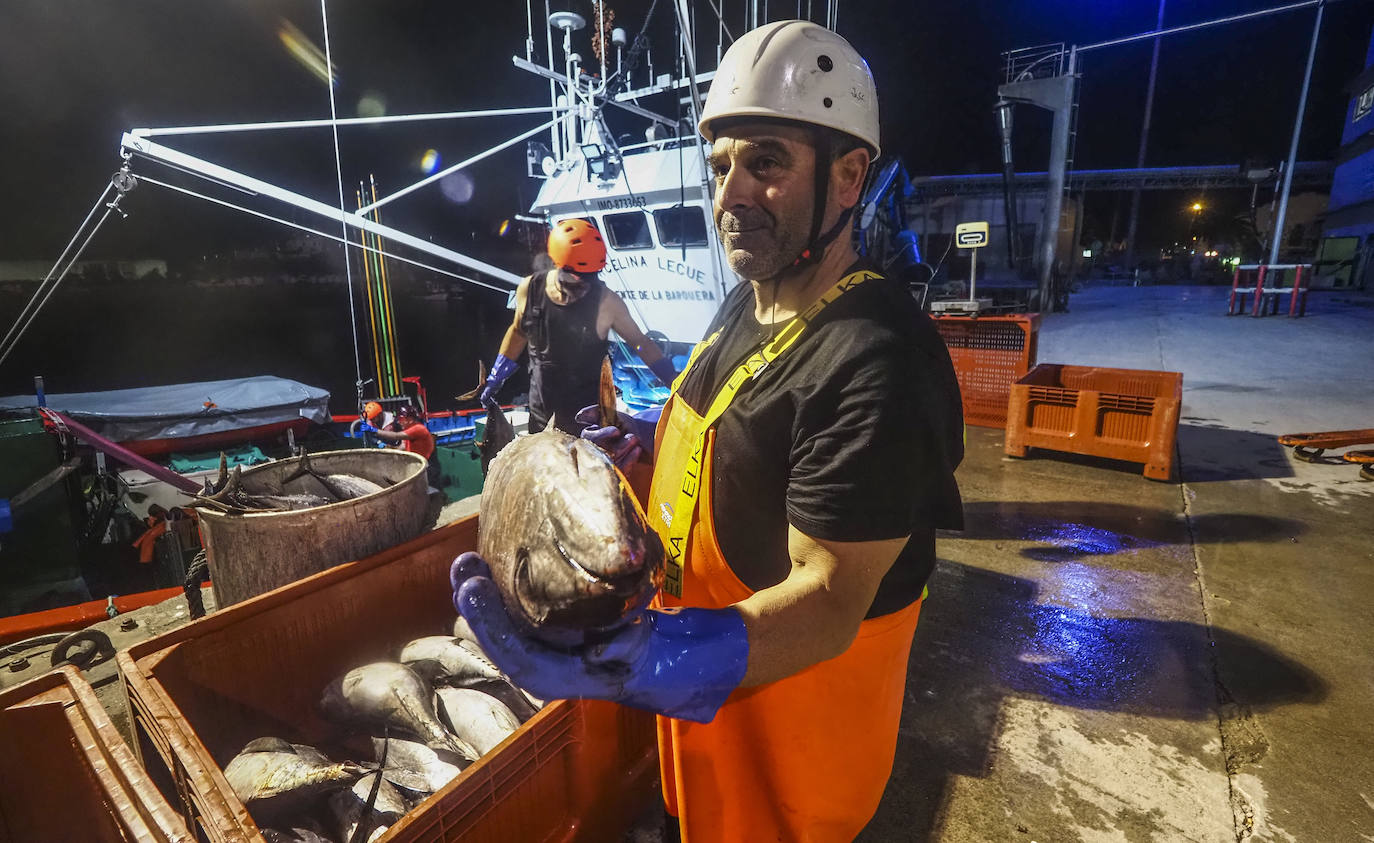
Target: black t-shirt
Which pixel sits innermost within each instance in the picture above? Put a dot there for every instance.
(852, 435)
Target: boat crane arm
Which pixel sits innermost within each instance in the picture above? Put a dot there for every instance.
(539, 70)
(146, 148)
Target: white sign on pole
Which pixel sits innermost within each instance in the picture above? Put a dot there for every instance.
(971, 235)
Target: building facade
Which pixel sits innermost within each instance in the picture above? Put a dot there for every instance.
(1345, 258)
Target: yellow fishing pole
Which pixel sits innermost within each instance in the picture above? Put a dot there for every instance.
(388, 311)
(371, 311)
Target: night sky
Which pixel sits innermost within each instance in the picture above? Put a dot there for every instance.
(76, 73)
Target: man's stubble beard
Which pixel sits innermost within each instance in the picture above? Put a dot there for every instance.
(766, 252)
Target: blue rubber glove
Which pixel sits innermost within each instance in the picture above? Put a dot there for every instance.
(680, 663)
(364, 427)
(501, 369)
(663, 370)
(623, 448)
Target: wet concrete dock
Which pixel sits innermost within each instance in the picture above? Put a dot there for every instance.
(1110, 658)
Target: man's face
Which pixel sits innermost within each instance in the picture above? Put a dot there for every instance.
(765, 190)
(568, 278)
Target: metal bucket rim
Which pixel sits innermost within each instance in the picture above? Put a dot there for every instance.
(418, 462)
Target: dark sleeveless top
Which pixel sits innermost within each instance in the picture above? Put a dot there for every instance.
(565, 354)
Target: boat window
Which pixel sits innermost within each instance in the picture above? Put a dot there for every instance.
(629, 231)
(681, 227)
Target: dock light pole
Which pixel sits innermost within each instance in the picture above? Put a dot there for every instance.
(1134, 219)
(1297, 132)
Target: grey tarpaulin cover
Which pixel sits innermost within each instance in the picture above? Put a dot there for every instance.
(187, 409)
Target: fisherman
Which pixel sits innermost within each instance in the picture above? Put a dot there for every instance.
(413, 436)
(564, 317)
(374, 418)
(801, 531)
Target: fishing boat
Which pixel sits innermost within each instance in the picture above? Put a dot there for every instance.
(188, 417)
(615, 143)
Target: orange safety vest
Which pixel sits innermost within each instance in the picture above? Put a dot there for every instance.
(805, 758)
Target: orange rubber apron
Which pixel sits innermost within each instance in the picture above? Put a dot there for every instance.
(805, 758)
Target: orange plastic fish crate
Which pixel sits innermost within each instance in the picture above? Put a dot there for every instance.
(1120, 414)
(65, 773)
(578, 770)
(989, 353)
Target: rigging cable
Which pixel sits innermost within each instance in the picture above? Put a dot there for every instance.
(338, 172)
(60, 258)
(122, 183)
(504, 291)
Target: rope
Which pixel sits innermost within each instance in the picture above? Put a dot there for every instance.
(199, 570)
(338, 172)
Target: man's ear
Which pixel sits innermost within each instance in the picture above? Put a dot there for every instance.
(847, 177)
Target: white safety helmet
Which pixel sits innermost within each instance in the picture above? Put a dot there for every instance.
(799, 71)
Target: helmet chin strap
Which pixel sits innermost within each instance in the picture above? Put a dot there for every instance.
(817, 243)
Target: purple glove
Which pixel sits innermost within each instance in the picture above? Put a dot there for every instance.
(680, 663)
(501, 369)
(623, 448)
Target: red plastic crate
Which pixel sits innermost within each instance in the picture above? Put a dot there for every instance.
(1121, 414)
(65, 773)
(989, 353)
(578, 770)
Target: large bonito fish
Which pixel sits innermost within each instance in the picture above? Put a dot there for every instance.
(566, 540)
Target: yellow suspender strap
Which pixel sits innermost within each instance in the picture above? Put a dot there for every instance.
(685, 505)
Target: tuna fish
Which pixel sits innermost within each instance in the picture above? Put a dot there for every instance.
(385, 694)
(349, 486)
(521, 704)
(350, 809)
(460, 663)
(566, 540)
(477, 718)
(497, 433)
(462, 630)
(415, 767)
(273, 781)
(339, 487)
(448, 661)
(304, 831)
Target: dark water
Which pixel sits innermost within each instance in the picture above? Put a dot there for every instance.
(131, 334)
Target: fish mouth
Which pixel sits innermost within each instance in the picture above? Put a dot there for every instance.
(580, 571)
(594, 601)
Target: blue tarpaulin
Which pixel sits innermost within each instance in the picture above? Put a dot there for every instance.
(180, 410)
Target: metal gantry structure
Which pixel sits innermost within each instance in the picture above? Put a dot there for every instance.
(1047, 77)
(1306, 174)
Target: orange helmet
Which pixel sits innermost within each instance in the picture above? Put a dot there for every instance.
(576, 244)
(371, 410)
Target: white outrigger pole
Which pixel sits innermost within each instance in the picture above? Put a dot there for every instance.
(668, 264)
(138, 143)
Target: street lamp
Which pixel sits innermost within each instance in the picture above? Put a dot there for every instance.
(1196, 208)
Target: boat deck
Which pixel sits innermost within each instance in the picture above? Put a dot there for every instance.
(1109, 658)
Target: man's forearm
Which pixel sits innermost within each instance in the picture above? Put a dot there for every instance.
(814, 614)
(513, 343)
(791, 627)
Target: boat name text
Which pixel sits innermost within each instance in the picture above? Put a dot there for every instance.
(691, 273)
